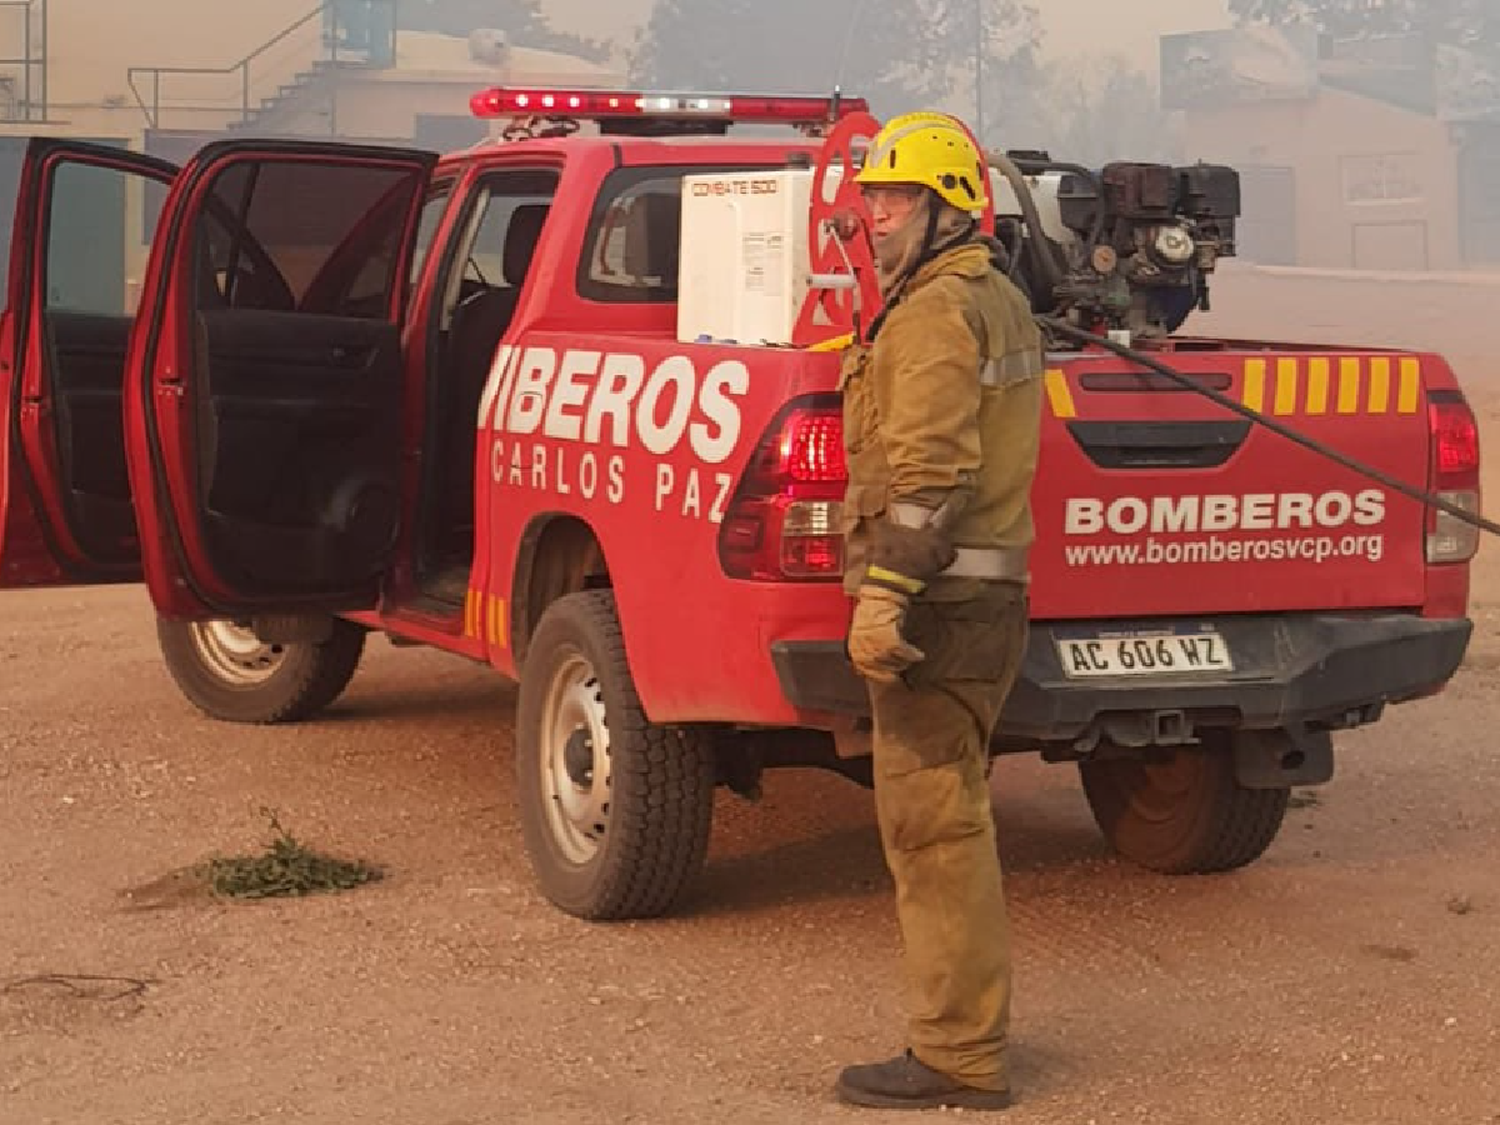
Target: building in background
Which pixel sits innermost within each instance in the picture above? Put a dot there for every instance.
(1371, 154)
(305, 68)
(168, 76)
(330, 68)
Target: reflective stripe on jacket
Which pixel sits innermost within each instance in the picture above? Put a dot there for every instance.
(944, 406)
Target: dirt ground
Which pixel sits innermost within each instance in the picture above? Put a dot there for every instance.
(1350, 978)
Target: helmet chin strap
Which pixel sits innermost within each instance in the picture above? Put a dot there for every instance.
(930, 249)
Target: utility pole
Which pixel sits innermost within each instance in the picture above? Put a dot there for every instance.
(979, 70)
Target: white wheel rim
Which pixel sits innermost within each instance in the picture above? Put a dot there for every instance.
(575, 760)
(234, 654)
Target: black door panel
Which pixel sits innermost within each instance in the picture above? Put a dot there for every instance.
(299, 458)
(272, 380)
(88, 373)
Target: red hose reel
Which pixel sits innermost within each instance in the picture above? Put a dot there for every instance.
(840, 244)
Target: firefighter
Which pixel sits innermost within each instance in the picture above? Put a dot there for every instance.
(942, 409)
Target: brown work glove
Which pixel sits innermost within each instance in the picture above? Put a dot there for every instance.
(908, 553)
(876, 647)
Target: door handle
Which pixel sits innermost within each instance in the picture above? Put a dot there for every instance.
(345, 353)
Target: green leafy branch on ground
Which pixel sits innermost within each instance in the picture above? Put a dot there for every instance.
(286, 869)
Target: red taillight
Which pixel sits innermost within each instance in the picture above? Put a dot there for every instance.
(813, 445)
(1454, 476)
(785, 523)
(1455, 440)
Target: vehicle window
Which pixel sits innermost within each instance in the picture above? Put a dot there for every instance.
(91, 261)
(273, 229)
(494, 248)
(635, 234)
(634, 239)
(432, 217)
(366, 293)
(358, 277)
(486, 262)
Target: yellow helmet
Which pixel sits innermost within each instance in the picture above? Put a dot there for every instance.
(933, 150)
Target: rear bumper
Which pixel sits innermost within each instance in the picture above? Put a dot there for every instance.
(1329, 672)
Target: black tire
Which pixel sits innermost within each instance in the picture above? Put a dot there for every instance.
(1187, 816)
(226, 673)
(629, 846)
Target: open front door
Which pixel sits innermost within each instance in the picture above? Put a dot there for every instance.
(265, 388)
(79, 231)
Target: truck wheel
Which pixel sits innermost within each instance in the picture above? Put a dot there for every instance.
(1185, 816)
(616, 811)
(229, 673)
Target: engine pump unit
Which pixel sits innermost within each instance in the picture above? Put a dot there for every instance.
(1128, 247)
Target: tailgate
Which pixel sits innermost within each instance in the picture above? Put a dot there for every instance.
(1154, 501)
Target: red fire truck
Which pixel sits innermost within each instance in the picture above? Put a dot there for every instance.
(566, 404)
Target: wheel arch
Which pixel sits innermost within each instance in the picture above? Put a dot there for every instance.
(559, 554)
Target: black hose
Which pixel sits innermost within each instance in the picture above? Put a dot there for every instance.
(1068, 331)
(1026, 167)
(1046, 254)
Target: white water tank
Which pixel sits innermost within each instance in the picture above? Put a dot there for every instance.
(745, 261)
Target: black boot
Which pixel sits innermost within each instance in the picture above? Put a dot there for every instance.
(906, 1082)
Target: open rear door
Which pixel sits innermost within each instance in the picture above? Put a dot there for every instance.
(265, 387)
(83, 215)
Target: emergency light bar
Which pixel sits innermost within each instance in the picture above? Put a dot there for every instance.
(618, 105)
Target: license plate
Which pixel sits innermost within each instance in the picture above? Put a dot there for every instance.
(1145, 652)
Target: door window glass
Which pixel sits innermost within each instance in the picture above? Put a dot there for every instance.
(314, 238)
(93, 266)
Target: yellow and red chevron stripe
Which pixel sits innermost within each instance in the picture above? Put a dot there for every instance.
(485, 618)
(1305, 386)
(1333, 385)
(1060, 394)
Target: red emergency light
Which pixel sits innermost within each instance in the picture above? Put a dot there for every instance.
(748, 109)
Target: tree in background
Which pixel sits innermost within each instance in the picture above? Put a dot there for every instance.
(900, 55)
(1465, 23)
(522, 20)
(1093, 111)
(921, 53)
